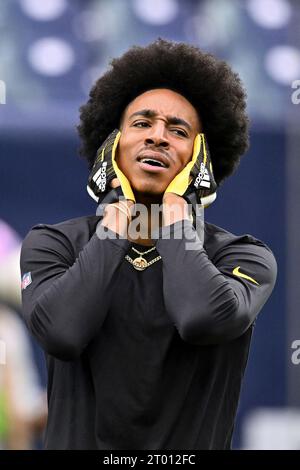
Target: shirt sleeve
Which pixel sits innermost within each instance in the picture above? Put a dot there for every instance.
(65, 298)
(213, 301)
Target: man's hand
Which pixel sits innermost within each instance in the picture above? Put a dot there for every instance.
(105, 170)
(175, 208)
(115, 183)
(196, 182)
(117, 215)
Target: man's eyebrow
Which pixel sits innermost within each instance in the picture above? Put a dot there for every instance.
(150, 113)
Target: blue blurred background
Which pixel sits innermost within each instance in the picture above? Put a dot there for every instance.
(52, 51)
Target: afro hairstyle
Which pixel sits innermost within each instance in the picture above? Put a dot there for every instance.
(215, 91)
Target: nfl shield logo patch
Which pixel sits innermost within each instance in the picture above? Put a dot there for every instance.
(26, 280)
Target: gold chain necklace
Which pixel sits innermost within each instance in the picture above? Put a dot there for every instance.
(140, 263)
(144, 252)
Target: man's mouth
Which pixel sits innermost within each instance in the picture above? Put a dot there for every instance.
(153, 160)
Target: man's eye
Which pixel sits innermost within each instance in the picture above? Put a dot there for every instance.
(179, 132)
(141, 124)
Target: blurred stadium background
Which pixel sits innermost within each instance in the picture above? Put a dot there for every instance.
(51, 52)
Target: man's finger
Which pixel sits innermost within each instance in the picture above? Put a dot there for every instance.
(115, 183)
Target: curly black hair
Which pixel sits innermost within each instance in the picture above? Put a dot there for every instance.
(215, 91)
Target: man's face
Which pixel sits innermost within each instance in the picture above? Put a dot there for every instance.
(161, 125)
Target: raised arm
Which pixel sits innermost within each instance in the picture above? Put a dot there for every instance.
(213, 300)
(66, 298)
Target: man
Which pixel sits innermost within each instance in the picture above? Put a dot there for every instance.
(146, 340)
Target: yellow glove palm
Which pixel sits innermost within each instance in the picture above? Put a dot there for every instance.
(181, 181)
(197, 176)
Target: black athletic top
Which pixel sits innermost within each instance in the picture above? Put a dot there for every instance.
(149, 359)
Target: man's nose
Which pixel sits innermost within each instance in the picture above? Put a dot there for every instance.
(157, 135)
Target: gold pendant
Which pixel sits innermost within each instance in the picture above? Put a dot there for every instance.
(140, 263)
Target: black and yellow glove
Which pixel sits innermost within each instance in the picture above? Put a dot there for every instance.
(196, 182)
(104, 170)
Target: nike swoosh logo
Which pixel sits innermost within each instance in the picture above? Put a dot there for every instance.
(237, 273)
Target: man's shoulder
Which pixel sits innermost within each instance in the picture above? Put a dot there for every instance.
(214, 233)
(217, 238)
(75, 232)
(82, 223)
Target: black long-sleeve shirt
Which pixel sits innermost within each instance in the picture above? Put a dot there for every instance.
(149, 359)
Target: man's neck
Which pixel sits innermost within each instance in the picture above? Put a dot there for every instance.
(149, 219)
